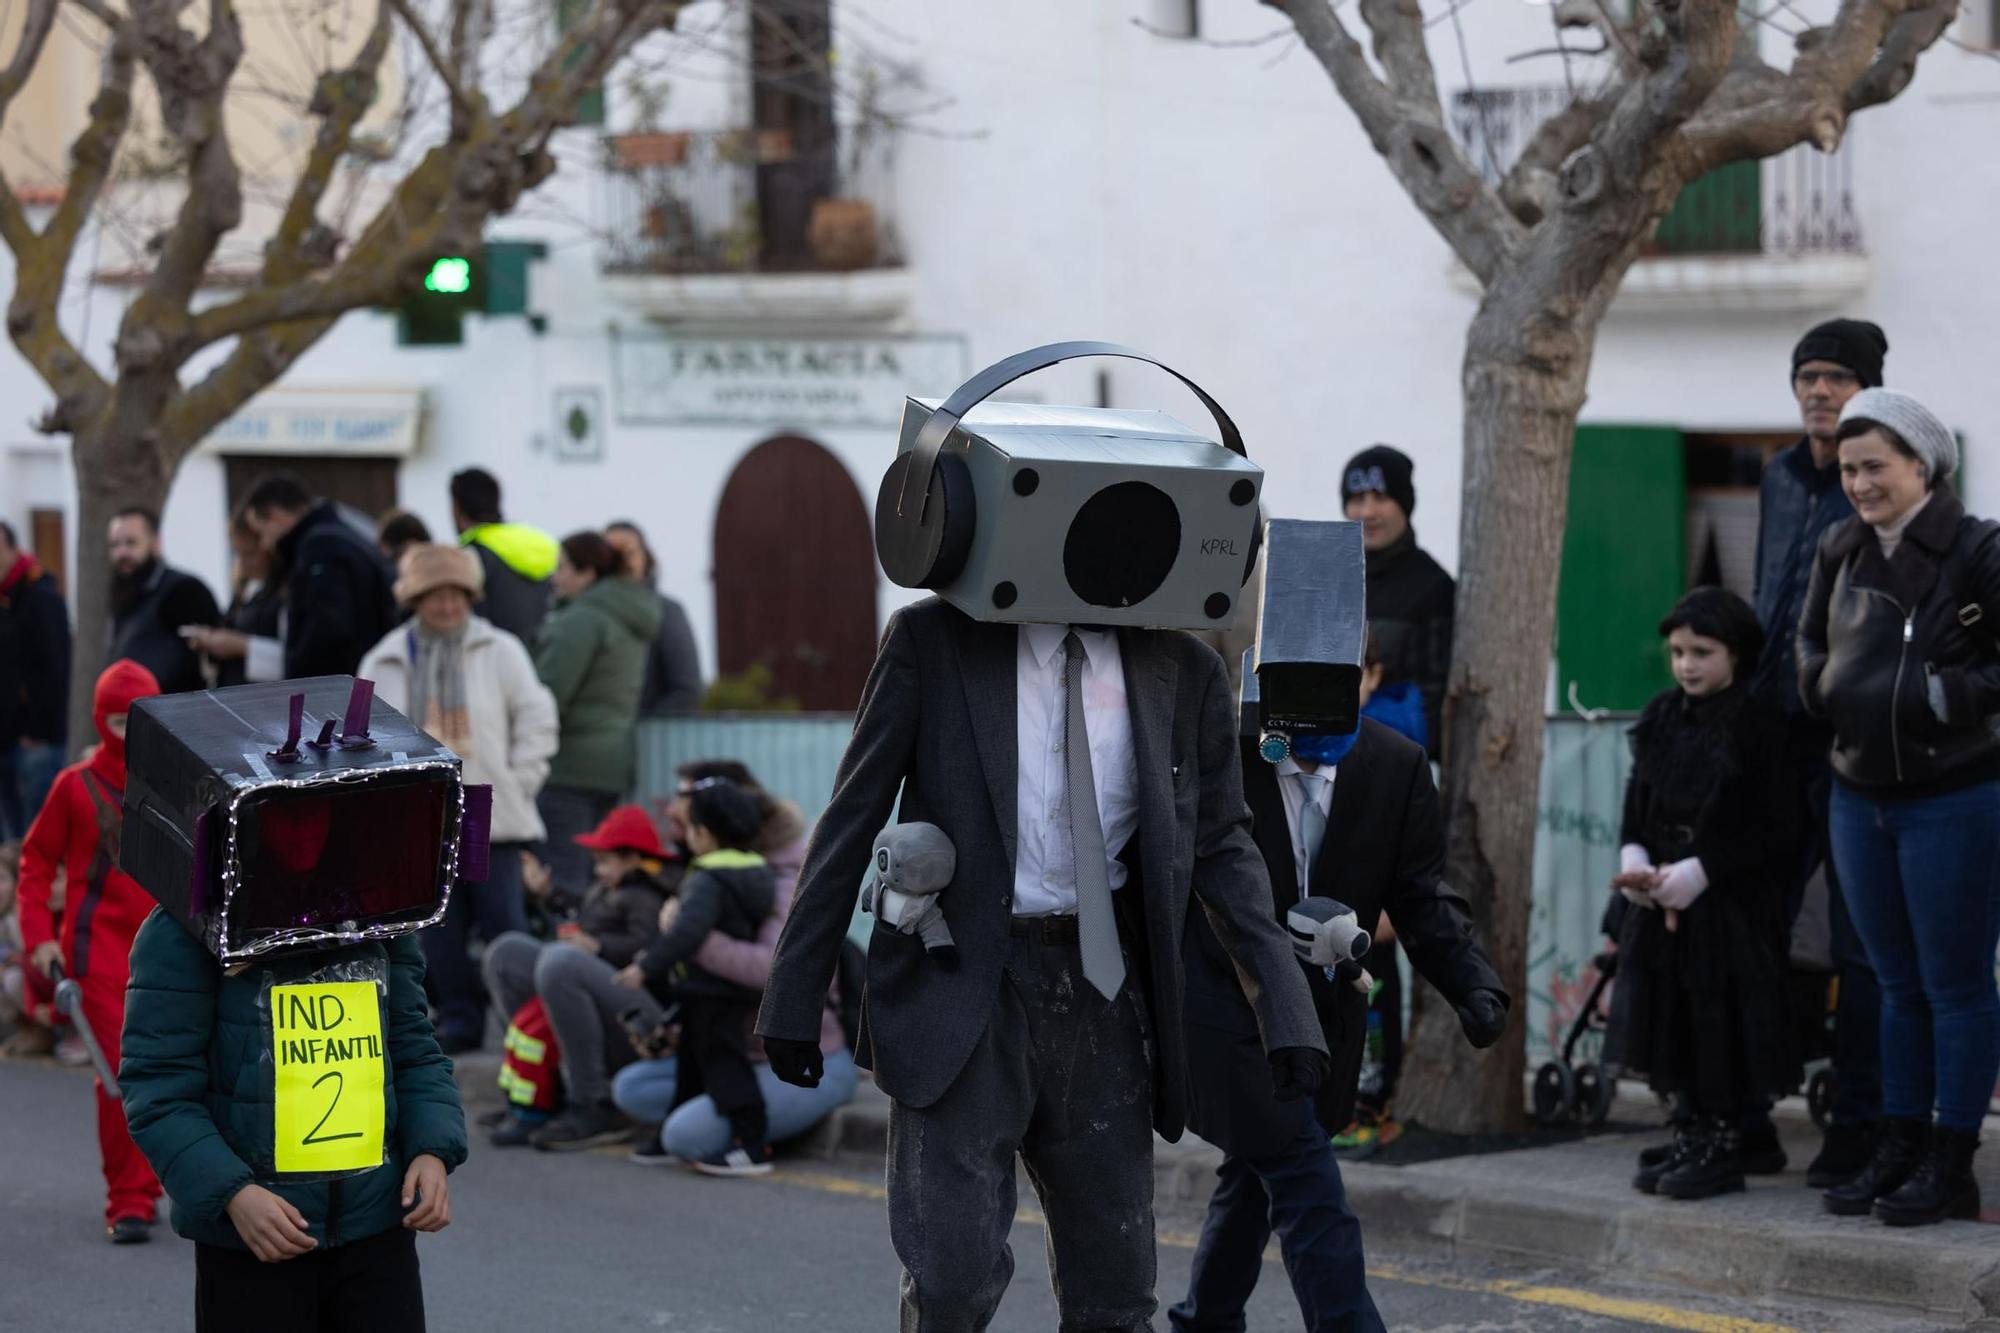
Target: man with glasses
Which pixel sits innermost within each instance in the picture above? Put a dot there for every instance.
(1799, 499)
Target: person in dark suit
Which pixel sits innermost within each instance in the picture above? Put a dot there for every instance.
(1382, 847)
(1037, 1044)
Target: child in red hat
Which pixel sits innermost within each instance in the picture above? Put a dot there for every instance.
(77, 832)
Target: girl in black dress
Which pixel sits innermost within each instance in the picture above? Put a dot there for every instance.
(1700, 1006)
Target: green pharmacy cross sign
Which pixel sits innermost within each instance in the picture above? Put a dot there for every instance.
(491, 279)
(451, 276)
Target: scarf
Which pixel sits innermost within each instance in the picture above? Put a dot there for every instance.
(437, 686)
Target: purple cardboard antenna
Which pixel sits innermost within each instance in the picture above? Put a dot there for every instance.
(288, 753)
(354, 728)
(475, 833)
(325, 739)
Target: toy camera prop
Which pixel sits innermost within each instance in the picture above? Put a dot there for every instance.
(1303, 678)
(913, 863)
(255, 841)
(1326, 933)
(1020, 513)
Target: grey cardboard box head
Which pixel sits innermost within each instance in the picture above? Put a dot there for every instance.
(1069, 514)
(1304, 675)
(254, 851)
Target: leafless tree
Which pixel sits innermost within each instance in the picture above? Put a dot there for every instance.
(1550, 242)
(187, 356)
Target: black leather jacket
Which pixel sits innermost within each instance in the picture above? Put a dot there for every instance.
(1875, 633)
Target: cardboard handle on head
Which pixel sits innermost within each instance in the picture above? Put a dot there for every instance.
(939, 426)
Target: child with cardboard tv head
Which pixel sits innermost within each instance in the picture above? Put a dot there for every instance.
(280, 1069)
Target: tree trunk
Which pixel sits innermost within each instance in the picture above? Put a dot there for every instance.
(115, 468)
(1525, 368)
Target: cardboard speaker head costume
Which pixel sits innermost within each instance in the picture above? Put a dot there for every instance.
(1022, 513)
(296, 815)
(1302, 680)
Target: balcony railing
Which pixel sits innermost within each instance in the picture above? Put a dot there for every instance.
(748, 201)
(1798, 203)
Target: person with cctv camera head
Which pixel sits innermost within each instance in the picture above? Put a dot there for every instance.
(1349, 824)
(1067, 547)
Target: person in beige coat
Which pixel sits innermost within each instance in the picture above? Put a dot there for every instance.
(473, 686)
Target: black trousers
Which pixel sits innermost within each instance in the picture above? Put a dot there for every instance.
(370, 1286)
(715, 1059)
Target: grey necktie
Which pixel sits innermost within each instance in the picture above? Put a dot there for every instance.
(1312, 821)
(1103, 961)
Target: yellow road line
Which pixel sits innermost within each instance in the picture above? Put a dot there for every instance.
(1568, 1298)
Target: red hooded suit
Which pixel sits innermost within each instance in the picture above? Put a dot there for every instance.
(77, 832)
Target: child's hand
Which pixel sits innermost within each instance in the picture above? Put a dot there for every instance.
(582, 939)
(45, 958)
(273, 1229)
(668, 912)
(630, 977)
(424, 1185)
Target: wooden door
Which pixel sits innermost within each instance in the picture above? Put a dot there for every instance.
(795, 575)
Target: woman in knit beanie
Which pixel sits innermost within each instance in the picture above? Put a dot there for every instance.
(1896, 648)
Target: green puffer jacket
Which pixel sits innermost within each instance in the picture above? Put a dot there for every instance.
(199, 1085)
(592, 656)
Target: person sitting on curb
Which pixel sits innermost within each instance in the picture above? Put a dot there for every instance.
(574, 978)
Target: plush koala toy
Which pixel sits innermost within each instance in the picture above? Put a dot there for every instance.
(913, 863)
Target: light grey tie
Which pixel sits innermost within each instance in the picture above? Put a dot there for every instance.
(1103, 961)
(1312, 822)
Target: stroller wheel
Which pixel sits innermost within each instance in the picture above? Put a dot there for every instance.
(1555, 1093)
(1594, 1094)
(1819, 1098)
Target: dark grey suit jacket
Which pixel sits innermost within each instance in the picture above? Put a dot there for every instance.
(937, 722)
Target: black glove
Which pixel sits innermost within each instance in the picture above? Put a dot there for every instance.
(798, 1063)
(1483, 1017)
(1297, 1072)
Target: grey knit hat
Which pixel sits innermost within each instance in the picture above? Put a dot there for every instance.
(1930, 439)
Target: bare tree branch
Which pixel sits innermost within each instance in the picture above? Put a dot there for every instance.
(35, 28)
(1530, 189)
(100, 11)
(465, 104)
(1403, 121)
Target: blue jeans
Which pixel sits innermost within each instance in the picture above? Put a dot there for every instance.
(1922, 879)
(26, 774)
(1298, 1193)
(492, 909)
(695, 1129)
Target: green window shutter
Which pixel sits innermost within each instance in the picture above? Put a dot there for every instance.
(590, 106)
(1624, 564)
(507, 275)
(1720, 213)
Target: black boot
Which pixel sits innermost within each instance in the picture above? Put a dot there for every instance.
(1660, 1159)
(1714, 1167)
(1942, 1185)
(1843, 1154)
(1898, 1149)
(1762, 1154)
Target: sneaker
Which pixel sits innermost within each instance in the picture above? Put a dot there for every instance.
(129, 1231)
(650, 1152)
(738, 1159)
(1366, 1135)
(582, 1127)
(514, 1132)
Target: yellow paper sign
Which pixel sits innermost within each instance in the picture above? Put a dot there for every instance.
(327, 1041)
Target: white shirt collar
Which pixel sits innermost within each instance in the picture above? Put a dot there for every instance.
(1045, 642)
(1288, 767)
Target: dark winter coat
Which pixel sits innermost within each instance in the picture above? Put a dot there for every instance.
(259, 613)
(673, 667)
(147, 630)
(728, 891)
(1701, 1008)
(199, 1090)
(623, 919)
(338, 602)
(1797, 502)
(1384, 849)
(592, 656)
(1876, 632)
(34, 657)
(516, 561)
(1411, 605)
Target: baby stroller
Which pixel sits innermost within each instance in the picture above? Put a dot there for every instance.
(1571, 1090)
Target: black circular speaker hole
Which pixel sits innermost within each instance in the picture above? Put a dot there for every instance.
(1026, 480)
(1243, 492)
(1004, 595)
(1122, 544)
(1217, 606)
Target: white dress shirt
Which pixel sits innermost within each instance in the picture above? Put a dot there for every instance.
(1044, 864)
(1289, 787)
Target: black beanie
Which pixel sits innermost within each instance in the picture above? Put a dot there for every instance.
(1854, 343)
(1380, 468)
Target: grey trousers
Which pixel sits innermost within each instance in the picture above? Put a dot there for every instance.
(1061, 1077)
(583, 1003)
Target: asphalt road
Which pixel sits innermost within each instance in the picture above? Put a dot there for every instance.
(579, 1243)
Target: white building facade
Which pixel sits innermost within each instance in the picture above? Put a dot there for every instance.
(691, 355)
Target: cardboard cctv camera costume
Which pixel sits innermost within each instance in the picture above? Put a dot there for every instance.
(1303, 676)
(913, 863)
(296, 815)
(1021, 513)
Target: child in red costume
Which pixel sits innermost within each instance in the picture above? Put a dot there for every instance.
(77, 831)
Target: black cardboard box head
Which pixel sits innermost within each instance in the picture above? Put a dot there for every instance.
(351, 832)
